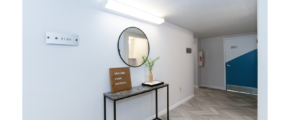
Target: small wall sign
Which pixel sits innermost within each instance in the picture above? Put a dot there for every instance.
(120, 79)
(61, 38)
(234, 47)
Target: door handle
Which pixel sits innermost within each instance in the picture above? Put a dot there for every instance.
(228, 65)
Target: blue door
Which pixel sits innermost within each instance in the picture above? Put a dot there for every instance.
(241, 64)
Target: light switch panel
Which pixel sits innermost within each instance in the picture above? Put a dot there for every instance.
(61, 38)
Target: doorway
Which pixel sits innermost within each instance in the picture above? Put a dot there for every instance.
(241, 64)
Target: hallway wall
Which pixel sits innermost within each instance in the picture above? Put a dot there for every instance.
(212, 74)
(67, 82)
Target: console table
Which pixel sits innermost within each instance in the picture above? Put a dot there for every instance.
(135, 91)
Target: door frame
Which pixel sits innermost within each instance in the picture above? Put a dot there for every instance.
(224, 41)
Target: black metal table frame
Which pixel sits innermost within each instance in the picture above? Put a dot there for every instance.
(156, 98)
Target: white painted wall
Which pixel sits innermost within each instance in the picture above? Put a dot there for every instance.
(244, 45)
(68, 82)
(199, 69)
(212, 74)
(195, 61)
(263, 63)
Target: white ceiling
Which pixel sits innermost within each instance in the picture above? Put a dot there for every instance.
(205, 18)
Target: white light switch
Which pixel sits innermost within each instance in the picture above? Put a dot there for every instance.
(61, 38)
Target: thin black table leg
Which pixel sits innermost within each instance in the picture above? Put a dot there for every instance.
(156, 98)
(114, 110)
(167, 102)
(104, 107)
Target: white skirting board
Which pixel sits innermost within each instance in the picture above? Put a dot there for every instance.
(208, 86)
(171, 107)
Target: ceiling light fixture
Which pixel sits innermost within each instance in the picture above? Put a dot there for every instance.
(128, 11)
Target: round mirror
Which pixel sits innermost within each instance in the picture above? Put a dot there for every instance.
(132, 45)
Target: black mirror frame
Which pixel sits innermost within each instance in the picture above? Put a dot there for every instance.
(119, 48)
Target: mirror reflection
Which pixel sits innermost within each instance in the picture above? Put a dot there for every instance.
(133, 44)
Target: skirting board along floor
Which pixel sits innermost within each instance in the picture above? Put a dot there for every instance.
(220, 88)
(215, 87)
(171, 107)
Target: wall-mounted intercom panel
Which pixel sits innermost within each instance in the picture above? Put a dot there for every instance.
(61, 38)
(188, 50)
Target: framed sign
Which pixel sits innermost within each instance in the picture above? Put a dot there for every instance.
(120, 79)
(201, 59)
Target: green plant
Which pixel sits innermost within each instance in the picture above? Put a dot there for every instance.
(150, 63)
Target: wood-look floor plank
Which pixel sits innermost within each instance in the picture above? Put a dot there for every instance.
(213, 104)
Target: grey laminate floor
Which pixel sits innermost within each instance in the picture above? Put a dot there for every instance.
(212, 104)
